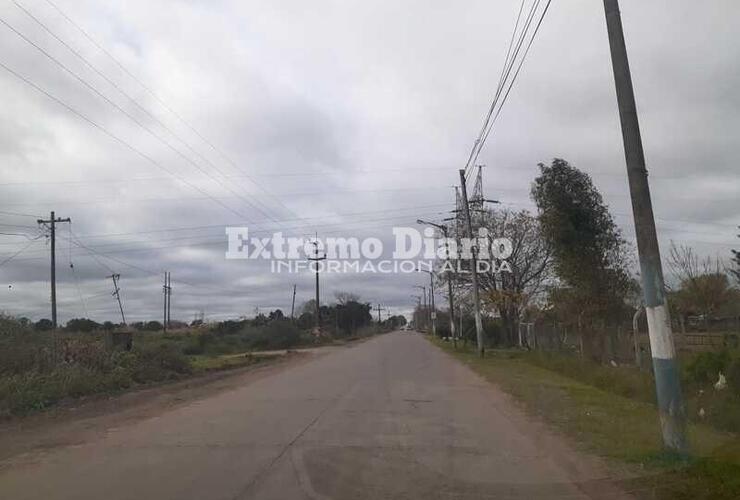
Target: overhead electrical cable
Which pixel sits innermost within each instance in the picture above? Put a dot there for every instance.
(131, 99)
(174, 113)
(135, 120)
(113, 136)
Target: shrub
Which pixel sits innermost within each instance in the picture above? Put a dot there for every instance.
(198, 344)
(733, 375)
(81, 325)
(228, 327)
(43, 325)
(282, 334)
(155, 363)
(22, 349)
(705, 367)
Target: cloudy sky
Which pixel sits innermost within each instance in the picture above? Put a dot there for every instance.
(154, 124)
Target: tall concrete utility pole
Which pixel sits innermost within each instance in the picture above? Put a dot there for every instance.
(117, 294)
(670, 399)
(316, 259)
(473, 267)
(52, 235)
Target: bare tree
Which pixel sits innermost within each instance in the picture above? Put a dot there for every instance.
(510, 292)
(703, 284)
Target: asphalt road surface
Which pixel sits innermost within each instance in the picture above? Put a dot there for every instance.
(390, 418)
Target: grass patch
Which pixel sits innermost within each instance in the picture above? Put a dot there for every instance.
(228, 361)
(620, 425)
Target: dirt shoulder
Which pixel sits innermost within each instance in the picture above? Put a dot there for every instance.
(83, 420)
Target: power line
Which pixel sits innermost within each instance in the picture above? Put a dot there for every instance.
(504, 74)
(8, 259)
(220, 239)
(360, 225)
(110, 134)
(163, 104)
(319, 217)
(148, 271)
(510, 61)
(128, 115)
(516, 74)
(35, 216)
(127, 96)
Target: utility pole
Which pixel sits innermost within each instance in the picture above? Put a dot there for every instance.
(473, 267)
(380, 320)
(462, 332)
(292, 306)
(423, 311)
(415, 318)
(166, 290)
(432, 309)
(443, 229)
(668, 386)
(169, 298)
(52, 234)
(316, 259)
(117, 294)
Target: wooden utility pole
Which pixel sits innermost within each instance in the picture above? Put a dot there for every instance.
(449, 288)
(415, 317)
(423, 310)
(52, 235)
(473, 267)
(667, 380)
(292, 306)
(317, 259)
(169, 299)
(443, 230)
(432, 308)
(380, 320)
(166, 303)
(117, 294)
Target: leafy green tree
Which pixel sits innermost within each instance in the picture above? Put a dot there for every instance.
(152, 326)
(276, 315)
(589, 253)
(396, 321)
(43, 325)
(352, 315)
(83, 325)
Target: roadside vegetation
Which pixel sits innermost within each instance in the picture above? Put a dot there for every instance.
(610, 411)
(566, 335)
(40, 368)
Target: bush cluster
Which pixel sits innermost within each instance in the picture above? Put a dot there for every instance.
(235, 337)
(34, 375)
(704, 369)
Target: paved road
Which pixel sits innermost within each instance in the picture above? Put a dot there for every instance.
(391, 418)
